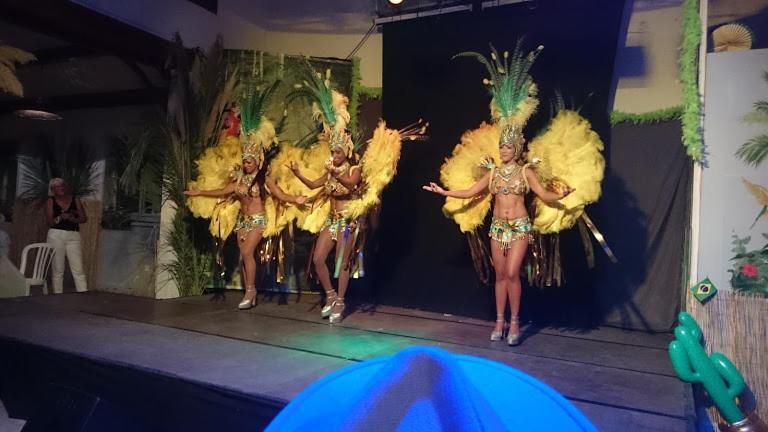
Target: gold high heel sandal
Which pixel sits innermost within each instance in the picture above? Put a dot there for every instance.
(330, 299)
(248, 303)
(513, 338)
(336, 316)
(499, 335)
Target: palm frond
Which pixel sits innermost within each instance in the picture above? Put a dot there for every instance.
(216, 115)
(761, 107)
(309, 139)
(75, 167)
(756, 117)
(144, 154)
(754, 151)
(35, 177)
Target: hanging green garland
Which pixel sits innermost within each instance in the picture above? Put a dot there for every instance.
(664, 114)
(689, 75)
(354, 97)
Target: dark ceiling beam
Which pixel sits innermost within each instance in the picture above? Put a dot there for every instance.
(82, 26)
(144, 96)
(134, 67)
(65, 54)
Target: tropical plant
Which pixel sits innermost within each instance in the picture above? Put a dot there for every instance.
(163, 150)
(754, 151)
(750, 268)
(192, 267)
(166, 146)
(71, 163)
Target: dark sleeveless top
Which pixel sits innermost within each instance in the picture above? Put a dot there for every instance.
(66, 225)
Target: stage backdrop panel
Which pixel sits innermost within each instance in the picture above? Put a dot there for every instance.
(423, 259)
(734, 83)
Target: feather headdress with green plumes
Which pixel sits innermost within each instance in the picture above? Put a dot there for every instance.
(511, 87)
(258, 133)
(328, 106)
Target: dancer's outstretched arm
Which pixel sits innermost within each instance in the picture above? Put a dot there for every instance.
(226, 190)
(475, 190)
(278, 193)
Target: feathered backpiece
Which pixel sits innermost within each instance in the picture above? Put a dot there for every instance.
(328, 106)
(9, 58)
(512, 90)
(258, 133)
(221, 163)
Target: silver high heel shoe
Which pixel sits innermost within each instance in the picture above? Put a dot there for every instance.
(325, 312)
(499, 335)
(514, 338)
(335, 317)
(248, 303)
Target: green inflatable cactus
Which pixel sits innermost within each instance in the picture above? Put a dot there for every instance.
(720, 378)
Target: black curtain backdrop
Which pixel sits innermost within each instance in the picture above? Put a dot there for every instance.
(422, 260)
(644, 215)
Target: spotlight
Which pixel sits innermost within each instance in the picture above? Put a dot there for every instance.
(395, 2)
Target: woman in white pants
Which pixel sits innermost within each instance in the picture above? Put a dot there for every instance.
(65, 213)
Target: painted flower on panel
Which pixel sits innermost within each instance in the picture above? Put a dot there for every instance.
(750, 267)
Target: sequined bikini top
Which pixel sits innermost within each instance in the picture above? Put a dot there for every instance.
(509, 179)
(333, 186)
(246, 186)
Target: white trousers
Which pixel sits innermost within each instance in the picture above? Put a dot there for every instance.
(66, 244)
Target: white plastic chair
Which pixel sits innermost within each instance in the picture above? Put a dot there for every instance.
(43, 259)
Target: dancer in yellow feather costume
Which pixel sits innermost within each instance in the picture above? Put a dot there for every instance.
(340, 192)
(563, 169)
(233, 197)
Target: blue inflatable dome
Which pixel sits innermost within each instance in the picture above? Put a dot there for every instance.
(429, 389)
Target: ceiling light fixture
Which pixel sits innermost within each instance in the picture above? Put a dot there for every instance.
(34, 114)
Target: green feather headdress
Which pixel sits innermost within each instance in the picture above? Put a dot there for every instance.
(317, 89)
(257, 132)
(511, 87)
(328, 105)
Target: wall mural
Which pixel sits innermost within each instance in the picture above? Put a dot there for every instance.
(749, 272)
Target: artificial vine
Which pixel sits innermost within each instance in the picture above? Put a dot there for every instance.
(689, 67)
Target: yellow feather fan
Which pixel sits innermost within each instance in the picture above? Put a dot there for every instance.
(569, 150)
(462, 170)
(9, 58)
(379, 165)
(214, 169)
(312, 216)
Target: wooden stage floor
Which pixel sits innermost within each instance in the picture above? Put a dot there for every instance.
(621, 380)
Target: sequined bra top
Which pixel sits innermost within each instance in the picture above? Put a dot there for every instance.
(247, 187)
(334, 187)
(509, 179)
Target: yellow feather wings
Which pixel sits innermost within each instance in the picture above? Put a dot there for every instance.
(569, 150)
(462, 170)
(311, 216)
(378, 166)
(214, 168)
